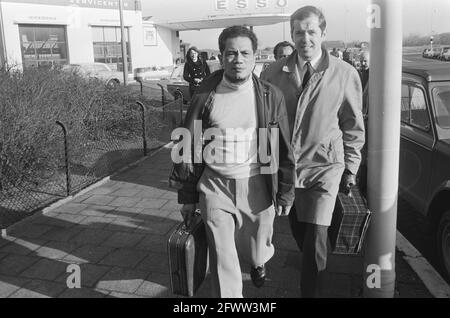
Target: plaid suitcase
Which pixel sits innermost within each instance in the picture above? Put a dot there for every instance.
(349, 224)
(187, 251)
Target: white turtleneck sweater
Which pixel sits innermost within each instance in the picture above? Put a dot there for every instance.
(233, 151)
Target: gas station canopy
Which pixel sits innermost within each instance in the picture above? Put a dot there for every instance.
(224, 21)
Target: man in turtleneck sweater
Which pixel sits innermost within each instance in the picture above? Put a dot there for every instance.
(237, 199)
(234, 114)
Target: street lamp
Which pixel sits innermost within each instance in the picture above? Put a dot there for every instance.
(124, 48)
(3, 53)
(346, 12)
(432, 15)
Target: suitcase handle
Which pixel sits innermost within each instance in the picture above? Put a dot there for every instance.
(186, 225)
(348, 193)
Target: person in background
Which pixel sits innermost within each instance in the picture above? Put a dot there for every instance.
(348, 56)
(334, 52)
(340, 55)
(364, 76)
(364, 68)
(195, 69)
(283, 49)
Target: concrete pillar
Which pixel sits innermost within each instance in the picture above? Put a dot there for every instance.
(383, 147)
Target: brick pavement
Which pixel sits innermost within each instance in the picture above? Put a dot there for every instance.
(117, 234)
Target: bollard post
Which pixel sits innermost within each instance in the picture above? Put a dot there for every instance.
(66, 155)
(163, 101)
(163, 95)
(142, 86)
(144, 134)
(178, 92)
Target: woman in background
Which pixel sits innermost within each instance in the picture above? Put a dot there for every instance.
(195, 69)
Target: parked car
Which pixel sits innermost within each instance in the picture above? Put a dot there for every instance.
(266, 56)
(445, 54)
(175, 82)
(100, 71)
(427, 53)
(261, 65)
(424, 176)
(149, 73)
(436, 52)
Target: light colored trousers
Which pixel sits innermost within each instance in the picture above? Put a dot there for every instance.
(239, 216)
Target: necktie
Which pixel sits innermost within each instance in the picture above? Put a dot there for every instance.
(309, 71)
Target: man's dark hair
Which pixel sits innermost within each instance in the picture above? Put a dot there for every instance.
(281, 45)
(234, 32)
(306, 12)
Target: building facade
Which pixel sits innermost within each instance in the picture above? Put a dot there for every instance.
(50, 32)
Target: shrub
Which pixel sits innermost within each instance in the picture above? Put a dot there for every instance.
(33, 100)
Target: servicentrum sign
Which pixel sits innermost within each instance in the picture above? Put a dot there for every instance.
(97, 4)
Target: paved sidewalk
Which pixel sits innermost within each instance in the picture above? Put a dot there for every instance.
(117, 233)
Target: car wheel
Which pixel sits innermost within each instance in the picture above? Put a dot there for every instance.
(112, 84)
(443, 244)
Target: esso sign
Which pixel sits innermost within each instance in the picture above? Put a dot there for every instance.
(249, 4)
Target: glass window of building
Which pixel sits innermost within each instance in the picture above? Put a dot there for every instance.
(108, 47)
(43, 46)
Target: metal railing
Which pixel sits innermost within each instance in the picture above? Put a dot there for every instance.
(66, 156)
(179, 94)
(85, 154)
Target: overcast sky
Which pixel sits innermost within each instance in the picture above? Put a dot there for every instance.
(346, 19)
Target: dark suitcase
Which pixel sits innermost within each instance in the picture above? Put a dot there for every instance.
(349, 224)
(187, 250)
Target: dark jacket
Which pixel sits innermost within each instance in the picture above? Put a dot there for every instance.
(364, 76)
(271, 114)
(195, 70)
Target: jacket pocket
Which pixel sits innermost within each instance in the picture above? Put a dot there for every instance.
(331, 152)
(323, 154)
(337, 147)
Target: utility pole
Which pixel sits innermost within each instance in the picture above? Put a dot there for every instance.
(345, 23)
(383, 148)
(124, 47)
(3, 52)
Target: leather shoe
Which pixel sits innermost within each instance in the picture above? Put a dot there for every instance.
(258, 275)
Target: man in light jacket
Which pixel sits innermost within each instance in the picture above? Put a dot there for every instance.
(324, 100)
